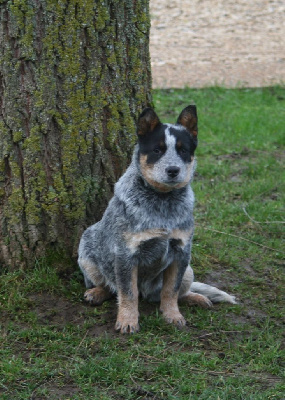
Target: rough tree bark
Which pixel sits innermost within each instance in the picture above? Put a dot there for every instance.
(74, 74)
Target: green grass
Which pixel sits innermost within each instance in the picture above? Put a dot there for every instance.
(53, 346)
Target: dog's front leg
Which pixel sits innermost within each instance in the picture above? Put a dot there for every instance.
(128, 315)
(169, 295)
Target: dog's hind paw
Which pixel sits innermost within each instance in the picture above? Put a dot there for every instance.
(194, 298)
(125, 327)
(96, 296)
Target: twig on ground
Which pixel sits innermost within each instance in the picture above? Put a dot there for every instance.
(236, 374)
(216, 333)
(242, 238)
(84, 337)
(259, 222)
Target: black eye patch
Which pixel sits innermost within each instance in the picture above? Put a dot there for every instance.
(156, 154)
(153, 145)
(185, 152)
(185, 143)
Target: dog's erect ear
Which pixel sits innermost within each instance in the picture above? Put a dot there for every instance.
(189, 119)
(147, 122)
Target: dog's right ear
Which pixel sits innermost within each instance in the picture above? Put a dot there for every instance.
(147, 122)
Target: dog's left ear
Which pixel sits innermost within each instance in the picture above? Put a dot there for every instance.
(189, 119)
(147, 122)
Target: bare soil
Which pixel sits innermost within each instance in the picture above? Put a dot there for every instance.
(198, 43)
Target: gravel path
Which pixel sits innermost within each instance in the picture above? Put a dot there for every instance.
(200, 43)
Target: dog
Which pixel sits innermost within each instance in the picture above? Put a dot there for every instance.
(142, 245)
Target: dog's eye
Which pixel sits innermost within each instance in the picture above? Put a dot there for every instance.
(183, 151)
(157, 150)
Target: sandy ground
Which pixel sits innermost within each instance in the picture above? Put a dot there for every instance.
(200, 43)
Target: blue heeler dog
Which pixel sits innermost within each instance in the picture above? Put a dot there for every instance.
(142, 245)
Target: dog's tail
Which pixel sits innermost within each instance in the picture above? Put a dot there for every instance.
(214, 294)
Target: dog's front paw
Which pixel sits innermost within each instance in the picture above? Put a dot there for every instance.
(174, 317)
(124, 325)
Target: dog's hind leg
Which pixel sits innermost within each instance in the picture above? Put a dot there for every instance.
(93, 277)
(201, 293)
(214, 294)
(189, 297)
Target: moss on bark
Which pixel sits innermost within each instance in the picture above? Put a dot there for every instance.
(74, 76)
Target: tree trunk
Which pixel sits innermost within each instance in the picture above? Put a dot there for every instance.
(74, 76)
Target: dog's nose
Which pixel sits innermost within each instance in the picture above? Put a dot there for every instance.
(172, 171)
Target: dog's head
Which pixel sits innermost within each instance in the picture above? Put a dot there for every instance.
(166, 151)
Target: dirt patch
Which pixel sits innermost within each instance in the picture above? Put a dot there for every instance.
(59, 312)
(56, 392)
(232, 43)
(56, 311)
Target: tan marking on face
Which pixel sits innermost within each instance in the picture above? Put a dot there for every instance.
(146, 170)
(169, 298)
(128, 315)
(133, 240)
